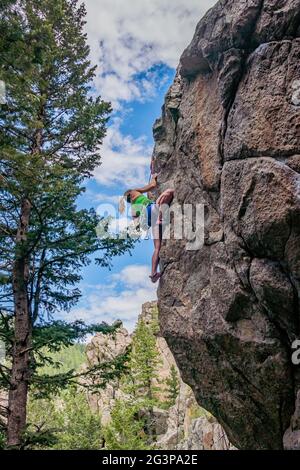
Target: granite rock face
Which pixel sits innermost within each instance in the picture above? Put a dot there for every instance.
(229, 138)
(189, 427)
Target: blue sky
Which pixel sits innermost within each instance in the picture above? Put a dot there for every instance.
(137, 45)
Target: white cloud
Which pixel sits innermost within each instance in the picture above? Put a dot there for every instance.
(133, 275)
(125, 160)
(102, 197)
(122, 299)
(129, 37)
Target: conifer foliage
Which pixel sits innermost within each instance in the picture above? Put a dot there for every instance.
(133, 422)
(51, 130)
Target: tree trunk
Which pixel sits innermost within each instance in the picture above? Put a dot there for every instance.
(20, 375)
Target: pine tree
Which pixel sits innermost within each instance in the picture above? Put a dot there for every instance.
(142, 375)
(173, 384)
(51, 129)
(126, 430)
(143, 363)
(66, 423)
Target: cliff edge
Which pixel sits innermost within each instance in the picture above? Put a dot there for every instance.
(229, 138)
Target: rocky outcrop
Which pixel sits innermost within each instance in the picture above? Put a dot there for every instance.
(182, 426)
(104, 348)
(189, 427)
(229, 138)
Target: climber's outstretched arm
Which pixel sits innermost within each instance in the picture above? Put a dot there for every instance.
(148, 187)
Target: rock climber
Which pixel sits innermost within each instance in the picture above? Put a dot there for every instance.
(146, 207)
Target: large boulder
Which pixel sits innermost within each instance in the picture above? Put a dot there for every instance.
(229, 138)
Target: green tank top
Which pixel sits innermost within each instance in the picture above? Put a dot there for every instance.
(138, 203)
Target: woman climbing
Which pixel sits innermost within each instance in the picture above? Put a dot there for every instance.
(146, 207)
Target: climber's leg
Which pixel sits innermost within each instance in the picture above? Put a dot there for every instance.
(166, 197)
(157, 235)
(164, 201)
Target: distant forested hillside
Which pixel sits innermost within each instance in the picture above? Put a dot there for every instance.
(66, 359)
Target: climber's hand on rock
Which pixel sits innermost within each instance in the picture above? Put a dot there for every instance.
(166, 197)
